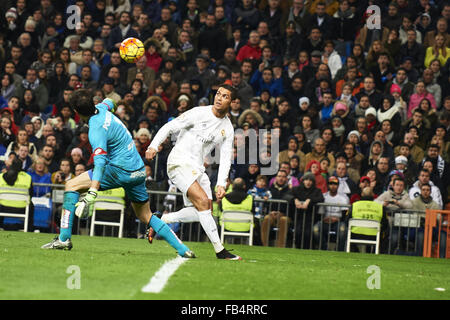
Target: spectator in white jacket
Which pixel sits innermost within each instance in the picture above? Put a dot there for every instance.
(331, 58)
(424, 178)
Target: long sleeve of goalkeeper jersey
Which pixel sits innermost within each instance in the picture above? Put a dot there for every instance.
(183, 121)
(98, 138)
(226, 151)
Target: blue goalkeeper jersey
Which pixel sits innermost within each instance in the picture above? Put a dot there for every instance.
(111, 142)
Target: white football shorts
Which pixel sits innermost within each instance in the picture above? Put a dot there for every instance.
(184, 175)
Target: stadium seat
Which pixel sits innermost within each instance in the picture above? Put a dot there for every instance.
(22, 201)
(108, 203)
(365, 224)
(244, 217)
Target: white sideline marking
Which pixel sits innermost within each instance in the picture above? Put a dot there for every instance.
(159, 280)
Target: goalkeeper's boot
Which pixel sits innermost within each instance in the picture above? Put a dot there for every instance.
(58, 244)
(150, 234)
(189, 254)
(225, 254)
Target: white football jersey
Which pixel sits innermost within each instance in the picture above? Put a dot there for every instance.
(199, 132)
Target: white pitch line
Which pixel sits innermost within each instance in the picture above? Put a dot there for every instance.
(159, 280)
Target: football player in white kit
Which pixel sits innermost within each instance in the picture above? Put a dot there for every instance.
(200, 130)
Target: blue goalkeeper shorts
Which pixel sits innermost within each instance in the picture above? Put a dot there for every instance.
(132, 181)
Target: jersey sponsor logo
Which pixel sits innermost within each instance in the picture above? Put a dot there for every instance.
(208, 139)
(99, 151)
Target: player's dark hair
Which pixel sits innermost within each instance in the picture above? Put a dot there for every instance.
(231, 89)
(82, 102)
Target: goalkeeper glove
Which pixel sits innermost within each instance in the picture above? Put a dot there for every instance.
(85, 207)
(112, 103)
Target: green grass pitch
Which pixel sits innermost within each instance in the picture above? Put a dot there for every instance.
(113, 268)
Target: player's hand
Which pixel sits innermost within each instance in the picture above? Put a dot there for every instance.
(85, 207)
(111, 101)
(220, 193)
(150, 154)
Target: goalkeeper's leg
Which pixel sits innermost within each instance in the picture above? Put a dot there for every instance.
(144, 214)
(72, 191)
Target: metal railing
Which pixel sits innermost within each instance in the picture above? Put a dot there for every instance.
(406, 230)
(322, 228)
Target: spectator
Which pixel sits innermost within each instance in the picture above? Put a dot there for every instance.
(32, 82)
(424, 178)
(306, 196)
(263, 79)
(64, 173)
(314, 167)
(79, 169)
(48, 154)
(260, 191)
(293, 149)
(7, 87)
(401, 165)
(441, 166)
(412, 49)
(22, 154)
(375, 97)
(280, 191)
(251, 50)
(331, 227)
(396, 198)
(22, 140)
(438, 51)
(309, 130)
(441, 29)
(6, 134)
(319, 152)
(39, 174)
(213, 38)
(421, 203)
(291, 180)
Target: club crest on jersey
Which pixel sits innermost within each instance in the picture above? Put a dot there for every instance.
(222, 133)
(99, 151)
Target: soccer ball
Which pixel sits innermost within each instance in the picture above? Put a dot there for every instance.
(131, 50)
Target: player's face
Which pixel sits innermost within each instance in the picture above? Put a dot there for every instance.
(222, 99)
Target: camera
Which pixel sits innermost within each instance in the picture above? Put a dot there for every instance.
(63, 176)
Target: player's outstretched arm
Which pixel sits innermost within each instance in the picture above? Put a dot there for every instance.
(182, 122)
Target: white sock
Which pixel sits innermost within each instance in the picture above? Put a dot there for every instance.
(210, 227)
(188, 214)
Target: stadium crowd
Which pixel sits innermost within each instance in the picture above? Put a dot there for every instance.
(351, 105)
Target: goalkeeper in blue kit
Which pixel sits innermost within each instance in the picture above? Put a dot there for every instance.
(116, 164)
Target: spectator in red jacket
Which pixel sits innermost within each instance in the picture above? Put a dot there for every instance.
(252, 49)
